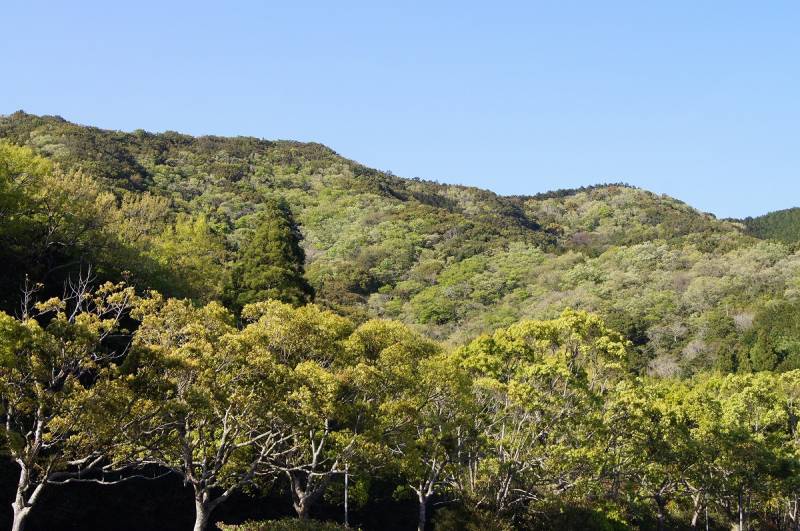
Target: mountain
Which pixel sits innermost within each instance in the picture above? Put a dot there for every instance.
(174, 212)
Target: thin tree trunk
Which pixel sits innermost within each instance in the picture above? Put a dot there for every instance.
(302, 509)
(793, 515)
(299, 495)
(346, 495)
(698, 506)
(423, 509)
(741, 512)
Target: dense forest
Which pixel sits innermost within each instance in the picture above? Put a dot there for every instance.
(783, 225)
(205, 330)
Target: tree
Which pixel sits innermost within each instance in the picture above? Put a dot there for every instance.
(422, 402)
(740, 421)
(789, 384)
(271, 265)
(775, 337)
(210, 399)
(196, 256)
(51, 221)
(20, 169)
(53, 372)
(322, 427)
(650, 449)
(537, 386)
(430, 436)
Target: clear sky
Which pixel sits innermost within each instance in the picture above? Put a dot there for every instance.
(696, 99)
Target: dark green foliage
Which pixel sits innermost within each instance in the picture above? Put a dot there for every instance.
(724, 343)
(271, 264)
(774, 339)
(585, 519)
(782, 225)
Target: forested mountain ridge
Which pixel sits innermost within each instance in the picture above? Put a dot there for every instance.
(174, 212)
(161, 355)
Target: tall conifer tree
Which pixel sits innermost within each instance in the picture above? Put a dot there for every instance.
(272, 262)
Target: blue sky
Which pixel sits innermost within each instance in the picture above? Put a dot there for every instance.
(696, 99)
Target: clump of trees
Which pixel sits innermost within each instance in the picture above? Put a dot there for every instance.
(522, 427)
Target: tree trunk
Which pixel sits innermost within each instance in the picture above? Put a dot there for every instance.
(299, 495)
(661, 513)
(346, 495)
(697, 508)
(793, 515)
(20, 506)
(20, 517)
(302, 509)
(695, 517)
(306, 494)
(423, 509)
(202, 514)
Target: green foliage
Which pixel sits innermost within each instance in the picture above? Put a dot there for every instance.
(460, 518)
(539, 386)
(197, 257)
(48, 217)
(209, 398)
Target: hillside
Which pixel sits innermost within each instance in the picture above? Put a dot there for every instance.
(173, 212)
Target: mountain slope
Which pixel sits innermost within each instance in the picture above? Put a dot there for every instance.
(454, 261)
